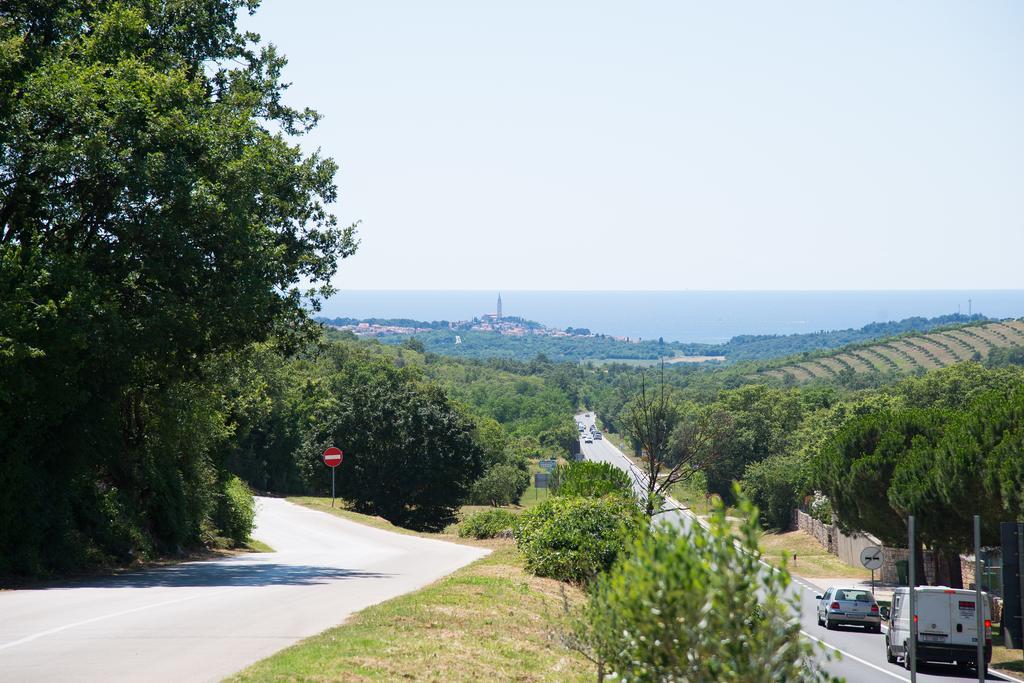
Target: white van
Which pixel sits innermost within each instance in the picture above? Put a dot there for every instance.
(947, 626)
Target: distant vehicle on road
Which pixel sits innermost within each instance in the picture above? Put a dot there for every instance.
(849, 606)
(589, 439)
(947, 626)
(597, 435)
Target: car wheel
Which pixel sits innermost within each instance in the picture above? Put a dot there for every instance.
(820, 622)
(828, 624)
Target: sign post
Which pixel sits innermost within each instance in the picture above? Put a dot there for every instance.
(979, 609)
(332, 458)
(913, 600)
(871, 558)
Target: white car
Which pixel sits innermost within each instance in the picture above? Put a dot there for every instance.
(849, 606)
(589, 439)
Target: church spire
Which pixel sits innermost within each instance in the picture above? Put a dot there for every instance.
(499, 306)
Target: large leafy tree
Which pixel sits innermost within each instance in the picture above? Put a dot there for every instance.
(155, 212)
(411, 454)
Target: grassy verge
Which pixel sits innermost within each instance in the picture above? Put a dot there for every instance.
(533, 495)
(256, 546)
(811, 559)
(489, 621)
(1003, 659)
(341, 510)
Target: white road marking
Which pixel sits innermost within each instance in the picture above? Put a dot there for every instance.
(854, 657)
(633, 468)
(50, 632)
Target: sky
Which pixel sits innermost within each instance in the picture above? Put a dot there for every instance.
(667, 145)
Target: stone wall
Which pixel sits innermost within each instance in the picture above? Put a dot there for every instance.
(824, 533)
(848, 547)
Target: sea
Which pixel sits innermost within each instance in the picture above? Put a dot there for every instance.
(685, 316)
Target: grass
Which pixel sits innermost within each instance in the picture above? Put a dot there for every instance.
(1004, 659)
(533, 495)
(489, 621)
(341, 509)
(256, 546)
(812, 560)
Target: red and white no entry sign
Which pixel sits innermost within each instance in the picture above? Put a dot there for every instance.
(332, 457)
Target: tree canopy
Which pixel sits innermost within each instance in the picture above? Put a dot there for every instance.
(155, 214)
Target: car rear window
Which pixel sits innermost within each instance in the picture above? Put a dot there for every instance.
(853, 596)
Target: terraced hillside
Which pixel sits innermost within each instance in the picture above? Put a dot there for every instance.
(908, 354)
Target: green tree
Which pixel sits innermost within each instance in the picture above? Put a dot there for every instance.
(411, 455)
(501, 484)
(762, 422)
(155, 212)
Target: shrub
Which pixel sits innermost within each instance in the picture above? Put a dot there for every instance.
(574, 539)
(590, 479)
(502, 484)
(774, 485)
(488, 524)
(680, 606)
(236, 511)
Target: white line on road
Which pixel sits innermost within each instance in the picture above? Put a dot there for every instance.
(855, 657)
(49, 632)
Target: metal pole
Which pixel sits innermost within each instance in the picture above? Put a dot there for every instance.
(1020, 574)
(912, 649)
(332, 485)
(979, 610)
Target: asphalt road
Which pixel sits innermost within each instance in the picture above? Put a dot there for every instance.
(863, 654)
(201, 621)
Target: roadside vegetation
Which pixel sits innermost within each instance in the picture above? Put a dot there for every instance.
(489, 621)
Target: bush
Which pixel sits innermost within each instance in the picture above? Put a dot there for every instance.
(488, 524)
(236, 511)
(773, 484)
(590, 479)
(501, 485)
(680, 607)
(574, 539)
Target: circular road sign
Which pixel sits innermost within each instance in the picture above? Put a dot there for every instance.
(332, 457)
(871, 557)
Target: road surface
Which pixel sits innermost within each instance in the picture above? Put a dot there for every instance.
(863, 654)
(201, 621)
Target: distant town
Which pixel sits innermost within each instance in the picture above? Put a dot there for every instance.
(511, 326)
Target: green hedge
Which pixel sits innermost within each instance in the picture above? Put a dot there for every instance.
(488, 524)
(590, 479)
(575, 539)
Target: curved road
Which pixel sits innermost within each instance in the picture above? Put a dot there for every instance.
(201, 621)
(863, 654)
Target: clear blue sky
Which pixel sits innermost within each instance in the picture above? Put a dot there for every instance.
(668, 145)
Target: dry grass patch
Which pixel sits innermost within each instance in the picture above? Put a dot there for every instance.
(811, 559)
(489, 621)
(342, 510)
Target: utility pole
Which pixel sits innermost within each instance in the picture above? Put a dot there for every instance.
(979, 610)
(912, 650)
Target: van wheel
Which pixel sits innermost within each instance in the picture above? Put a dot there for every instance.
(906, 656)
(889, 656)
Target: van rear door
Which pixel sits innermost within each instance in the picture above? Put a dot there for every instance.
(964, 618)
(934, 620)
